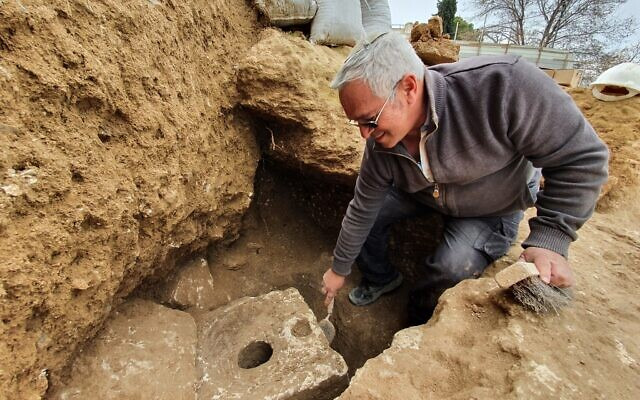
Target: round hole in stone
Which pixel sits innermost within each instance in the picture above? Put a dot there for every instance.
(301, 328)
(254, 354)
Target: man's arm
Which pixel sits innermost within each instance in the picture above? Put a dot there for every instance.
(547, 127)
(371, 188)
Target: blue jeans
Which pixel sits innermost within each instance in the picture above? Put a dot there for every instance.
(468, 246)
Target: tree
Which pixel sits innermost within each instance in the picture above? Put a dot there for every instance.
(588, 28)
(596, 62)
(509, 16)
(447, 11)
(466, 31)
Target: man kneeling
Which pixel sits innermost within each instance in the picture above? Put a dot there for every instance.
(469, 140)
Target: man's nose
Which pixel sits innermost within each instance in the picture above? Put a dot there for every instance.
(365, 131)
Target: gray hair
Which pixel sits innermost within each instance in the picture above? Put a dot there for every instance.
(380, 62)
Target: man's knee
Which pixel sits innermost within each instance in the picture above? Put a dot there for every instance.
(454, 264)
(444, 270)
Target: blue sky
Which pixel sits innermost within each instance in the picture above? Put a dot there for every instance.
(419, 10)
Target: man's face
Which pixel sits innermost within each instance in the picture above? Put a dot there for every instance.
(361, 105)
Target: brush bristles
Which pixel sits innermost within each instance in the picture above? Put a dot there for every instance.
(540, 297)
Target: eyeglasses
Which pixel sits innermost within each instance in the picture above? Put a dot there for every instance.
(373, 124)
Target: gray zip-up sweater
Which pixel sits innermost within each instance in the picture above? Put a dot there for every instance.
(489, 120)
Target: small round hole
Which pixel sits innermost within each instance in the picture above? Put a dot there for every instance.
(254, 354)
(301, 328)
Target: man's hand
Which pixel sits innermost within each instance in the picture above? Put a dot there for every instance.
(331, 283)
(553, 267)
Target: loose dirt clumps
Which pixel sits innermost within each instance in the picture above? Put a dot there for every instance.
(431, 45)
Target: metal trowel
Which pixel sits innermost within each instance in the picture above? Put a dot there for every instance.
(327, 326)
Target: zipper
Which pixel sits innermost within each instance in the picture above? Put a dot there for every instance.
(412, 160)
(438, 194)
(438, 190)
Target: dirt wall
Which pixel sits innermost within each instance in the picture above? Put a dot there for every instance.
(120, 151)
(618, 124)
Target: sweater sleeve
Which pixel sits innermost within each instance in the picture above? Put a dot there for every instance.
(371, 189)
(547, 127)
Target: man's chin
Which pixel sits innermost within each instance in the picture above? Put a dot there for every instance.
(385, 142)
(381, 140)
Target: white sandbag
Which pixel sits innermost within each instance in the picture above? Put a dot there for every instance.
(338, 22)
(376, 16)
(287, 12)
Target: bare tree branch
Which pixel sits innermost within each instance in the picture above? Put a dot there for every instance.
(589, 29)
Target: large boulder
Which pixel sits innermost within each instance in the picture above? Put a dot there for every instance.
(285, 81)
(267, 347)
(120, 153)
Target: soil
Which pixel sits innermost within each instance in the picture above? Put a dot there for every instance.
(618, 124)
(281, 246)
(121, 153)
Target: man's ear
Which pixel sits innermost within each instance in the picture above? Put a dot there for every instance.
(409, 85)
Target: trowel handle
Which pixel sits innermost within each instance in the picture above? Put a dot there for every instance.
(330, 307)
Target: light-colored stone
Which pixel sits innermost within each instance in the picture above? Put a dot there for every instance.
(301, 366)
(435, 26)
(431, 45)
(438, 51)
(192, 286)
(285, 81)
(420, 32)
(145, 351)
(515, 273)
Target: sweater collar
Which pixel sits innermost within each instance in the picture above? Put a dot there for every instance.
(435, 92)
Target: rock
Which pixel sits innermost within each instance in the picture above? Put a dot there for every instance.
(434, 52)
(431, 45)
(285, 80)
(235, 260)
(255, 247)
(192, 286)
(420, 32)
(145, 351)
(435, 26)
(267, 347)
